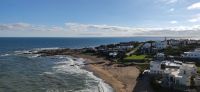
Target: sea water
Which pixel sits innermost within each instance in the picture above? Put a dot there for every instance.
(30, 73)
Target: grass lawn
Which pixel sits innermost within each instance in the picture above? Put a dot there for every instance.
(198, 70)
(135, 57)
(142, 67)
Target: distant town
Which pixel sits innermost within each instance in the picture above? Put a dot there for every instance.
(171, 64)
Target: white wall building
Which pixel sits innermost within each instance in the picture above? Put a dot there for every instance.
(161, 44)
(125, 47)
(176, 72)
(182, 76)
(146, 45)
(193, 54)
(155, 67)
(161, 67)
(173, 42)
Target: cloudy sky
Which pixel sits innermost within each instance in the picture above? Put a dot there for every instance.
(99, 18)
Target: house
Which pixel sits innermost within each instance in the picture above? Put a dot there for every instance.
(173, 42)
(125, 47)
(192, 54)
(161, 45)
(146, 48)
(161, 67)
(175, 74)
(160, 56)
(192, 41)
(147, 45)
(181, 76)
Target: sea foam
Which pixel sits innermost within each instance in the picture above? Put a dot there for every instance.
(66, 66)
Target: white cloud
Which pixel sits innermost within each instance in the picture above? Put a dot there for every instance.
(172, 9)
(195, 18)
(27, 27)
(15, 26)
(173, 22)
(105, 30)
(194, 6)
(169, 1)
(91, 30)
(172, 1)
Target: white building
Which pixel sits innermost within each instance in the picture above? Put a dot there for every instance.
(192, 41)
(125, 47)
(173, 42)
(176, 72)
(192, 54)
(161, 67)
(161, 44)
(155, 67)
(182, 76)
(146, 45)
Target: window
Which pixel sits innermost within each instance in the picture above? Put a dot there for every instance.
(184, 72)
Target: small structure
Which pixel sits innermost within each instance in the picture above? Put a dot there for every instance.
(113, 54)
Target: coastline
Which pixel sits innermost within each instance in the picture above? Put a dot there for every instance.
(121, 79)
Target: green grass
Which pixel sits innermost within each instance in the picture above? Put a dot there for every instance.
(135, 57)
(142, 67)
(198, 70)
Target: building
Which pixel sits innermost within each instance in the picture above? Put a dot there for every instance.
(173, 42)
(161, 45)
(160, 56)
(147, 45)
(175, 74)
(181, 76)
(192, 54)
(161, 67)
(146, 48)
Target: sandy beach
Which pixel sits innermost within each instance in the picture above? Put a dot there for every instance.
(122, 79)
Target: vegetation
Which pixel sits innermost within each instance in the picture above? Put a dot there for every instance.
(198, 70)
(142, 67)
(179, 50)
(135, 57)
(156, 86)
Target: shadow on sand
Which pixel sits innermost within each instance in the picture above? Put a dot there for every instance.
(143, 84)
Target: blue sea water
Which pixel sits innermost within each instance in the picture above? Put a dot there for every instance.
(29, 73)
(14, 43)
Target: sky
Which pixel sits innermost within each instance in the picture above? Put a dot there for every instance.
(99, 18)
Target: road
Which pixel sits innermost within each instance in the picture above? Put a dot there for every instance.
(134, 50)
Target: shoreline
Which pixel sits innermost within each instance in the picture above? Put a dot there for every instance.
(121, 79)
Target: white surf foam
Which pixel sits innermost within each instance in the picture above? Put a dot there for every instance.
(3, 55)
(51, 48)
(66, 66)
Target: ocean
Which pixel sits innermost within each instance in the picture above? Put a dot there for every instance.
(28, 73)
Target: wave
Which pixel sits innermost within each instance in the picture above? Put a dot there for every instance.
(50, 48)
(3, 55)
(67, 67)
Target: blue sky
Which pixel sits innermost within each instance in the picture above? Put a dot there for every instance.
(66, 18)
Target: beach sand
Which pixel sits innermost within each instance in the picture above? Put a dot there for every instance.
(122, 79)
